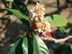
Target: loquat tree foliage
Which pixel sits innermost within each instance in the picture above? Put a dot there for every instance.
(36, 22)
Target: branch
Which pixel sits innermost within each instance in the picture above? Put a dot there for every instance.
(56, 40)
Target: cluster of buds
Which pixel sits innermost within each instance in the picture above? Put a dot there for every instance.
(36, 16)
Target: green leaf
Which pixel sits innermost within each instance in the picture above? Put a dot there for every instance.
(36, 46)
(25, 45)
(62, 29)
(12, 51)
(19, 16)
(20, 47)
(56, 20)
(70, 32)
(10, 0)
(23, 9)
(21, 6)
(17, 13)
(30, 46)
(39, 46)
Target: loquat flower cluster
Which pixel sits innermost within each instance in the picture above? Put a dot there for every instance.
(36, 16)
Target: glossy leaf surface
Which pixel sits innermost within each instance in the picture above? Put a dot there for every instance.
(25, 45)
(39, 46)
(20, 47)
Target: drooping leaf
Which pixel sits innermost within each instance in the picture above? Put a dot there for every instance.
(56, 20)
(39, 46)
(25, 45)
(62, 29)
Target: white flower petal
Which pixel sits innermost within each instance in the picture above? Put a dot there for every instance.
(36, 18)
(37, 3)
(31, 11)
(39, 30)
(43, 13)
(32, 18)
(34, 14)
(43, 9)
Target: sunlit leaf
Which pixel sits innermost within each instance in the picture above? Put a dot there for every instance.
(10, 0)
(56, 20)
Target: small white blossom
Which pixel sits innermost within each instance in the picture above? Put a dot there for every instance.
(43, 13)
(31, 11)
(36, 18)
(43, 9)
(32, 18)
(39, 30)
(48, 26)
(37, 3)
(34, 15)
